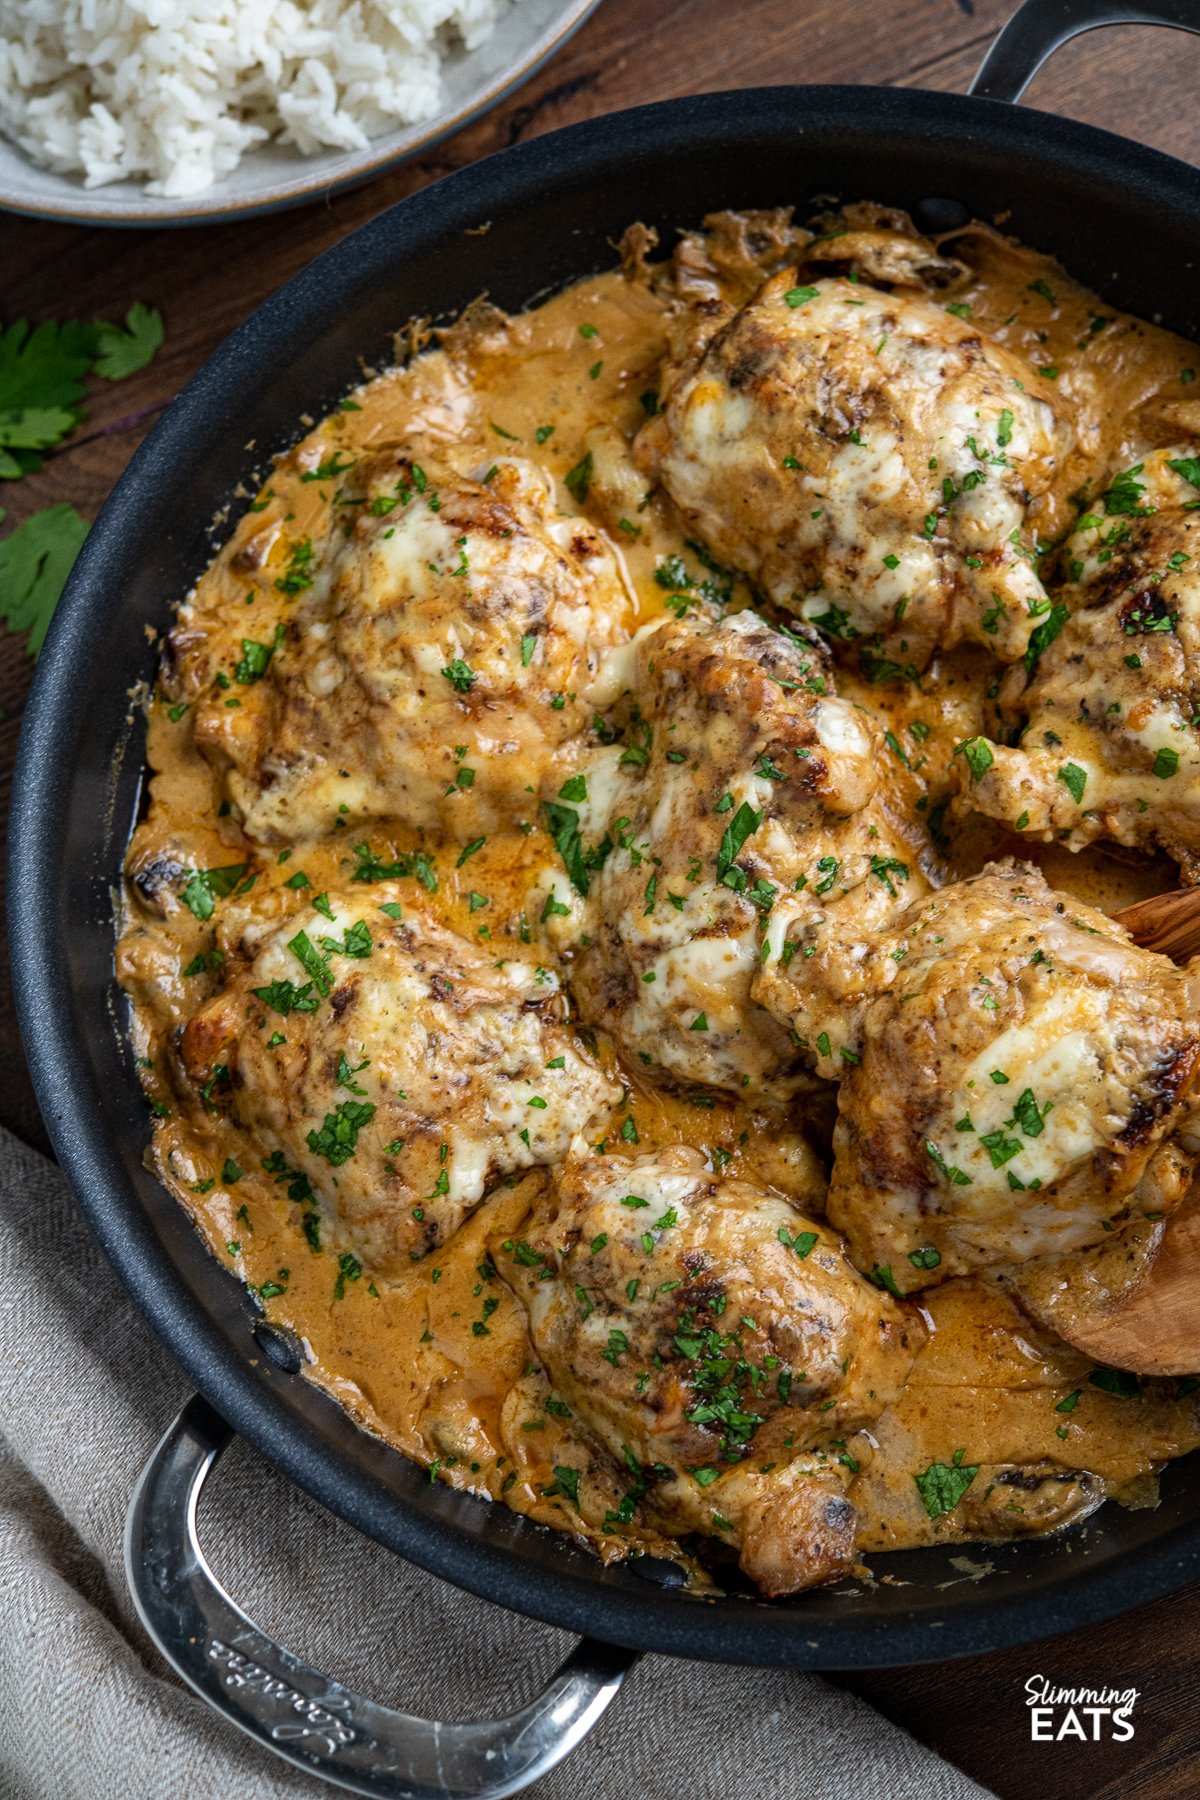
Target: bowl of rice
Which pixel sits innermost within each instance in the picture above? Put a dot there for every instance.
(157, 112)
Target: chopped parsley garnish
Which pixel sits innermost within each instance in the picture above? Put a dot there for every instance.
(827, 869)
(298, 575)
(349, 1269)
(285, 997)
(1188, 467)
(371, 867)
(957, 1177)
(562, 822)
(884, 867)
(802, 1243)
(1001, 1149)
(314, 964)
(1027, 1115)
(337, 1139)
(1074, 779)
(1043, 635)
(744, 823)
(205, 886)
(566, 1483)
(256, 658)
(978, 753)
(1116, 1381)
(579, 479)
(35, 561)
(1124, 495)
(942, 1485)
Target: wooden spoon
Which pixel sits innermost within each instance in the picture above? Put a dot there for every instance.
(1154, 1326)
(1148, 1319)
(1140, 1311)
(1168, 923)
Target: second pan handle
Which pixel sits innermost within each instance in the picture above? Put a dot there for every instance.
(1040, 27)
(300, 1713)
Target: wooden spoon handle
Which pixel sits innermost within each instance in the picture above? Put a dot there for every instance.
(1168, 923)
(1155, 1328)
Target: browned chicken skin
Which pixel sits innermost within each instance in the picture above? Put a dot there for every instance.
(686, 888)
(1110, 745)
(743, 784)
(429, 668)
(719, 1342)
(389, 1070)
(1019, 1086)
(870, 460)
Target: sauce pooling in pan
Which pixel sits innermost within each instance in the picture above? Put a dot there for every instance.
(562, 967)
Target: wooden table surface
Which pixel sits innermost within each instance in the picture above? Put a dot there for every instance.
(1140, 82)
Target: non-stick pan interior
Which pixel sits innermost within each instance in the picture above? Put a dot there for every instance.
(1120, 217)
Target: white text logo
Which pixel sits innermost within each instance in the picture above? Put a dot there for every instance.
(1088, 1713)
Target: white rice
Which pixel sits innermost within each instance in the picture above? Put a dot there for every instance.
(174, 92)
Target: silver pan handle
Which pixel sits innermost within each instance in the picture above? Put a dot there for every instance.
(302, 1714)
(1040, 27)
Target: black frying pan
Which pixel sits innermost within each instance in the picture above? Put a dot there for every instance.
(1124, 219)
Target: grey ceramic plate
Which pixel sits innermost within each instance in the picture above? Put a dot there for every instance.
(275, 176)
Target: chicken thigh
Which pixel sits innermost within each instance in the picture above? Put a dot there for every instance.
(693, 1323)
(1110, 745)
(430, 666)
(742, 779)
(1023, 1085)
(872, 461)
(388, 1072)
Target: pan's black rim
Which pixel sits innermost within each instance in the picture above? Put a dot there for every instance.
(74, 1114)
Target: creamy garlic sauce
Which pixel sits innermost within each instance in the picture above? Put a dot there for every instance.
(428, 1362)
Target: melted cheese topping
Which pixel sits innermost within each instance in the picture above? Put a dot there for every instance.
(438, 1361)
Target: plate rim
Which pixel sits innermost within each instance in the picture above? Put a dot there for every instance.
(158, 211)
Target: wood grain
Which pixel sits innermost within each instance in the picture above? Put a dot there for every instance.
(1169, 923)
(1140, 82)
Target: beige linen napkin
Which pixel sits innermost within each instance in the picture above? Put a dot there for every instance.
(89, 1712)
